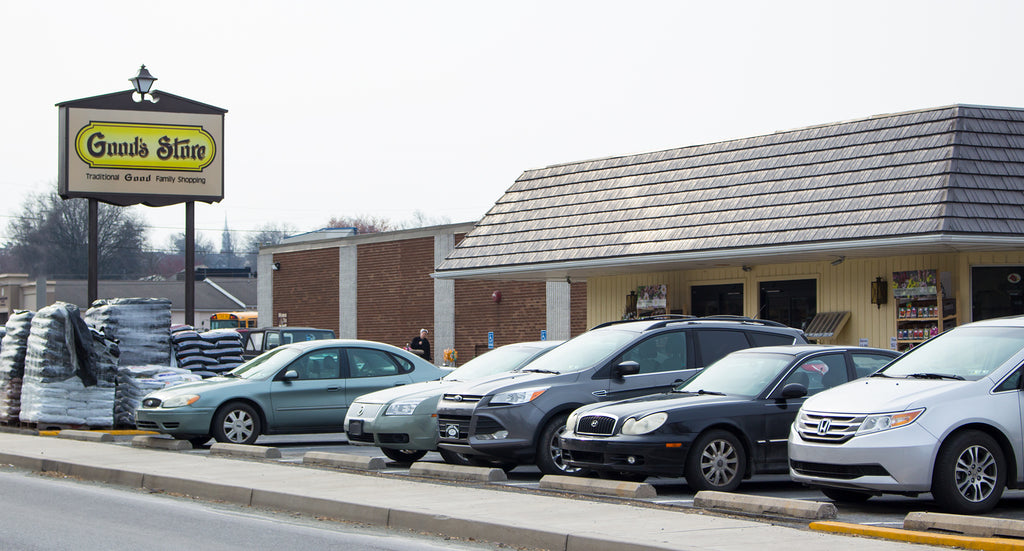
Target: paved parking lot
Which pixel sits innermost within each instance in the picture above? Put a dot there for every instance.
(879, 511)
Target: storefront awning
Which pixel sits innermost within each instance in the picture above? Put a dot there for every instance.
(826, 325)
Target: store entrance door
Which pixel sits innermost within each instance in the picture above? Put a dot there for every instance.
(793, 302)
(996, 291)
(714, 300)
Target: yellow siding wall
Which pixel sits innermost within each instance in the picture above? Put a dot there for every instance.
(846, 287)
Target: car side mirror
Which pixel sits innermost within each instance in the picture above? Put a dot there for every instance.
(794, 390)
(290, 375)
(627, 368)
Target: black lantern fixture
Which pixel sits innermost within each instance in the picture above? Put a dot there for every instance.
(143, 81)
(879, 292)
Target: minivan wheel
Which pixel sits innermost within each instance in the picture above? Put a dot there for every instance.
(717, 461)
(236, 423)
(970, 473)
(549, 454)
(403, 456)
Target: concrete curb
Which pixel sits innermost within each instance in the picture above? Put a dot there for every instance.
(967, 525)
(457, 472)
(160, 443)
(597, 486)
(758, 505)
(245, 450)
(86, 435)
(344, 460)
(910, 536)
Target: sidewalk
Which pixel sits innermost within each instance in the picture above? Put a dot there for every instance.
(516, 518)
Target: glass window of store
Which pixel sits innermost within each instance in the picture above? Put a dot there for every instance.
(792, 302)
(715, 300)
(996, 291)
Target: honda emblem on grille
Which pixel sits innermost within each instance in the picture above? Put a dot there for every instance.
(823, 426)
(457, 398)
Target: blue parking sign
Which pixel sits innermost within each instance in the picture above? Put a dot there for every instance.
(543, 334)
(490, 339)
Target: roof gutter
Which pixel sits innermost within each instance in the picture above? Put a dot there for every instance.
(845, 248)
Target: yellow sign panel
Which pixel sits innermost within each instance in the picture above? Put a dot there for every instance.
(149, 146)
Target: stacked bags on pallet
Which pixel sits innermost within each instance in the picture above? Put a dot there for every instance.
(12, 364)
(135, 382)
(70, 370)
(141, 325)
(206, 353)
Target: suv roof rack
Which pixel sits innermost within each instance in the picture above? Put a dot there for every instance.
(667, 317)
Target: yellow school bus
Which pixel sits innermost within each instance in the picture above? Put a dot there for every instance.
(232, 320)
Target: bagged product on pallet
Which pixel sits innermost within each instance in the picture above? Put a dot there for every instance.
(135, 382)
(12, 363)
(140, 325)
(70, 370)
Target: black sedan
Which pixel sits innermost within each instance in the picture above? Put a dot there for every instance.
(728, 422)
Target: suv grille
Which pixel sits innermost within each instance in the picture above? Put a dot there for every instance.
(597, 425)
(827, 428)
(462, 398)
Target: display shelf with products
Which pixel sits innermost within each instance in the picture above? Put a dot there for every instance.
(921, 309)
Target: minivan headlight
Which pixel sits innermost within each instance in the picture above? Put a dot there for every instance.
(180, 400)
(520, 396)
(645, 424)
(886, 421)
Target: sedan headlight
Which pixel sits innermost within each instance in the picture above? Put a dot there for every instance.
(886, 421)
(407, 407)
(518, 396)
(180, 400)
(645, 424)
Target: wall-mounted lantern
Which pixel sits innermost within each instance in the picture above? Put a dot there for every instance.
(879, 292)
(143, 83)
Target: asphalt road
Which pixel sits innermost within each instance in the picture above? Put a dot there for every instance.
(47, 513)
(878, 511)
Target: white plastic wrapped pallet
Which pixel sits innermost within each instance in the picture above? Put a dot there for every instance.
(69, 371)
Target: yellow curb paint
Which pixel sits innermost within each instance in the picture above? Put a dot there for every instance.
(949, 540)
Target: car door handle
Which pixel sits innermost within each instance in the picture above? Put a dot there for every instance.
(399, 384)
(600, 393)
(677, 381)
(333, 388)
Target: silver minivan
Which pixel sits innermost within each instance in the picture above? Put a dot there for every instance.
(943, 418)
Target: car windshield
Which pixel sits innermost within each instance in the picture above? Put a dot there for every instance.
(266, 364)
(582, 352)
(968, 353)
(741, 374)
(499, 360)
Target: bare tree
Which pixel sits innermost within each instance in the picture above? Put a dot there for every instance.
(51, 238)
(362, 224)
(267, 234)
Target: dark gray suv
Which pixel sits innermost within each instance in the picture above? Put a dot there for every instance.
(516, 418)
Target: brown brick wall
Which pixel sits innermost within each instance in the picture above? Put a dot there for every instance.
(306, 288)
(396, 292)
(520, 316)
(578, 308)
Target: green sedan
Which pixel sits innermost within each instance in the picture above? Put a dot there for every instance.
(297, 388)
(402, 422)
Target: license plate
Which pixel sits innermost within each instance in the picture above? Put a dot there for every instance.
(451, 431)
(355, 428)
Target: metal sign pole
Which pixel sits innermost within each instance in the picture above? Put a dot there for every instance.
(190, 263)
(94, 248)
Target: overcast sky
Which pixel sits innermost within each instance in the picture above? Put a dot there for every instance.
(339, 108)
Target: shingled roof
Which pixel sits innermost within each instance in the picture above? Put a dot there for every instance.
(931, 180)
